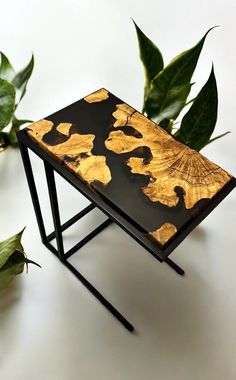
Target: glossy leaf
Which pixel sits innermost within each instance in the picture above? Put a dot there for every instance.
(170, 88)
(7, 102)
(12, 89)
(13, 267)
(9, 246)
(12, 259)
(150, 56)
(16, 124)
(6, 70)
(167, 124)
(199, 122)
(21, 79)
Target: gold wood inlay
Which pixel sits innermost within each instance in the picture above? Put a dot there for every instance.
(172, 164)
(97, 96)
(64, 128)
(77, 147)
(164, 233)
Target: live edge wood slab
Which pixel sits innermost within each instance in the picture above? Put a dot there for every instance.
(157, 182)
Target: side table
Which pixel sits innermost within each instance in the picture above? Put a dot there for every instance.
(152, 186)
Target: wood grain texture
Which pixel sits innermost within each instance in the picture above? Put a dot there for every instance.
(172, 163)
(164, 233)
(64, 128)
(97, 96)
(77, 148)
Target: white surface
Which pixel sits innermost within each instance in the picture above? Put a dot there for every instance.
(51, 327)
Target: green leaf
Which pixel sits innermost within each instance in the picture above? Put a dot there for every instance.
(6, 70)
(170, 88)
(21, 79)
(16, 124)
(9, 246)
(12, 259)
(218, 137)
(150, 56)
(167, 124)
(7, 102)
(199, 122)
(19, 122)
(13, 267)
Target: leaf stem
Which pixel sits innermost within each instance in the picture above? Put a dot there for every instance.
(190, 101)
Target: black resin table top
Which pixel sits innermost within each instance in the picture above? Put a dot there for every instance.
(155, 181)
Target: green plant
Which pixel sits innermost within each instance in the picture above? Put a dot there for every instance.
(12, 89)
(167, 89)
(12, 259)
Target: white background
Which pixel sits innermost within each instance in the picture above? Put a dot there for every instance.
(51, 327)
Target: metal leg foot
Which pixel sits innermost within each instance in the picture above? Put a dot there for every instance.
(169, 262)
(174, 266)
(100, 297)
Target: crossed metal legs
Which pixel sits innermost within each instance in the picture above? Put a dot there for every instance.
(59, 228)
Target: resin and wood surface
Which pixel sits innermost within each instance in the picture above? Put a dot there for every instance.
(157, 182)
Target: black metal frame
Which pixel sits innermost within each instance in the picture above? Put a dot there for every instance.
(51, 165)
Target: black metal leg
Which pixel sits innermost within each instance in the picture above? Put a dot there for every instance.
(174, 266)
(55, 209)
(71, 221)
(88, 237)
(100, 297)
(169, 262)
(33, 191)
(60, 251)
